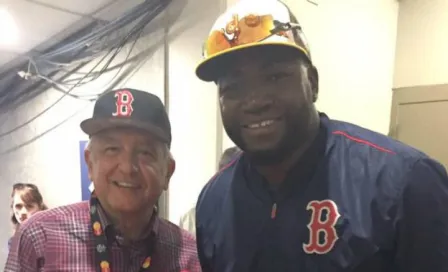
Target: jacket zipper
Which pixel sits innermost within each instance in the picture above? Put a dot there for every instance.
(274, 210)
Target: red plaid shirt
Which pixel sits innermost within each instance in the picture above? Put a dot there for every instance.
(61, 239)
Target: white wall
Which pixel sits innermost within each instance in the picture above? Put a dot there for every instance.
(422, 43)
(353, 45)
(193, 109)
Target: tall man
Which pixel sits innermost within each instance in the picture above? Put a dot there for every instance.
(129, 161)
(309, 193)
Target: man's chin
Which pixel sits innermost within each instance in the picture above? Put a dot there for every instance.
(121, 205)
(266, 156)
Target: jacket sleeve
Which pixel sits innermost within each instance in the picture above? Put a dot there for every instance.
(201, 238)
(204, 261)
(422, 241)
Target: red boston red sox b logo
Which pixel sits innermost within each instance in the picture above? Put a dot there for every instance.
(322, 228)
(123, 103)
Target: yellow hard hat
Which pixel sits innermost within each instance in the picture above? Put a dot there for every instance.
(248, 24)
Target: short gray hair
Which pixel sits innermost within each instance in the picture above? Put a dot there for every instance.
(88, 145)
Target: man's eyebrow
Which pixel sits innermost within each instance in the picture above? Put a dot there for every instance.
(278, 64)
(103, 139)
(106, 138)
(147, 144)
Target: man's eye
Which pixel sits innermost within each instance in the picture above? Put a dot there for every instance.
(111, 149)
(147, 153)
(232, 91)
(227, 88)
(276, 77)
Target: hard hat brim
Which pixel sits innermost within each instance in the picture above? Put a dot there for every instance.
(211, 68)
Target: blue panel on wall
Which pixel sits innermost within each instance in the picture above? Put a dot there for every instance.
(85, 182)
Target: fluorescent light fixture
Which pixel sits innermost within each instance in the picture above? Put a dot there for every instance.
(9, 31)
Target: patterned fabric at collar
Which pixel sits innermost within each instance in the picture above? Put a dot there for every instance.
(113, 235)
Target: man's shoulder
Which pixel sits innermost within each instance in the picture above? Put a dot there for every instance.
(372, 145)
(177, 245)
(52, 224)
(55, 217)
(172, 237)
(375, 156)
(172, 233)
(214, 192)
(222, 178)
(61, 212)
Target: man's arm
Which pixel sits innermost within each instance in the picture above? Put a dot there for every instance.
(200, 239)
(23, 255)
(422, 241)
(205, 264)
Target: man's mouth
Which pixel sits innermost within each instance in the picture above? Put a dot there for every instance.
(123, 184)
(262, 124)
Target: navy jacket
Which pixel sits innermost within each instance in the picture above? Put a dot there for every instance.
(363, 202)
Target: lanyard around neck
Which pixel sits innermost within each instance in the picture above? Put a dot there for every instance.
(102, 257)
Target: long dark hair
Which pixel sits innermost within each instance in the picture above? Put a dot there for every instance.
(30, 195)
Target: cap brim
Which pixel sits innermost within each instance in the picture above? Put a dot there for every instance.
(93, 126)
(210, 68)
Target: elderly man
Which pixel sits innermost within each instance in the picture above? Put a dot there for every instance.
(118, 229)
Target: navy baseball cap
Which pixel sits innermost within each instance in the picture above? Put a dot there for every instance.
(129, 108)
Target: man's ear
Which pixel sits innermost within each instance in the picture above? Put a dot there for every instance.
(88, 160)
(313, 77)
(169, 173)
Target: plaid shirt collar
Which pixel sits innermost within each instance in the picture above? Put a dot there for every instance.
(113, 235)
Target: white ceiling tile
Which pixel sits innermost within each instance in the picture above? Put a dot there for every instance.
(116, 9)
(9, 60)
(70, 30)
(6, 57)
(35, 23)
(85, 7)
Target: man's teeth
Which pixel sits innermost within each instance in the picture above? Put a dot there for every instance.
(125, 184)
(261, 124)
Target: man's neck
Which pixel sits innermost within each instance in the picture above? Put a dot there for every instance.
(132, 227)
(275, 174)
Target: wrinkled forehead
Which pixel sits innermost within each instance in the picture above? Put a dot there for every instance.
(125, 136)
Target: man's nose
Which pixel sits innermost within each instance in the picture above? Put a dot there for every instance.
(128, 163)
(256, 103)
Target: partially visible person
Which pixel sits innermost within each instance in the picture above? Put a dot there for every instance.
(118, 229)
(228, 156)
(26, 200)
(188, 220)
